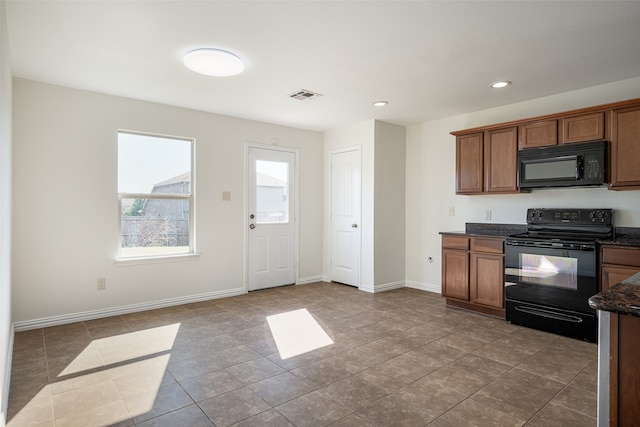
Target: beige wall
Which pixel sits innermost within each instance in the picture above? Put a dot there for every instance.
(5, 214)
(383, 199)
(389, 205)
(430, 164)
(65, 212)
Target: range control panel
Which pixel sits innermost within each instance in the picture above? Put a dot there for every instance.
(570, 216)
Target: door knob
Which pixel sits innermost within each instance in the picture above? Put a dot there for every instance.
(252, 226)
(354, 225)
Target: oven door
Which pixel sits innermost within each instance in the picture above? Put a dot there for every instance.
(548, 286)
(551, 274)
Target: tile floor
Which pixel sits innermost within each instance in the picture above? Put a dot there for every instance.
(399, 358)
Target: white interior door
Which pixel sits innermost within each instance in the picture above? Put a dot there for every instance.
(345, 217)
(271, 209)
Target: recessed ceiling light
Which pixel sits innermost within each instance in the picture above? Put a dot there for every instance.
(380, 103)
(213, 62)
(498, 85)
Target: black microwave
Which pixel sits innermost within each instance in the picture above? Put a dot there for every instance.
(570, 165)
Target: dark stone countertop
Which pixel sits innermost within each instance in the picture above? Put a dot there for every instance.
(623, 298)
(476, 229)
(624, 236)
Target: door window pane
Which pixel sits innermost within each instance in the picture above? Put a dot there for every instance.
(272, 192)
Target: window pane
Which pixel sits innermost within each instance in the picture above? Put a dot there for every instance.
(155, 227)
(150, 164)
(272, 192)
(157, 170)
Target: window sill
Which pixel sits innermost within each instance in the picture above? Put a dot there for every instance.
(123, 262)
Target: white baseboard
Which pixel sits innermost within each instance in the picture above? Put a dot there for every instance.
(312, 279)
(382, 287)
(423, 286)
(115, 311)
(7, 380)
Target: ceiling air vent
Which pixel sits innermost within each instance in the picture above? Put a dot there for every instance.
(304, 95)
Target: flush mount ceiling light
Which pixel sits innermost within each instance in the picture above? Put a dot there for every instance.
(213, 62)
(380, 103)
(498, 85)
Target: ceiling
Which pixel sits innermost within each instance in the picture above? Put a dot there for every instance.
(428, 59)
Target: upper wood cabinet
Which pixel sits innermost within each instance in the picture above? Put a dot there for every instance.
(486, 156)
(538, 134)
(581, 128)
(501, 160)
(469, 164)
(625, 148)
(487, 162)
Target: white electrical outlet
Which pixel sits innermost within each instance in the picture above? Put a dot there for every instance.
(452, 210)
(102, 283)
(487, 214)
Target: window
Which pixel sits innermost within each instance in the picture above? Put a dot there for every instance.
(155, 193)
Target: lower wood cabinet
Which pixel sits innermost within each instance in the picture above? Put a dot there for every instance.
(617, 263)
(473, 273)
(487, 280)
(455, 274)
(624, 370)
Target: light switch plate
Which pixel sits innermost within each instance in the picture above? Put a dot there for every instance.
(226, 196)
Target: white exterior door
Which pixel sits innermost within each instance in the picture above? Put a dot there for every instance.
(345, 217)
(271, 222)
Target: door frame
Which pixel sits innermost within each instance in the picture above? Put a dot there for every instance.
(357, 148)
(296, 206)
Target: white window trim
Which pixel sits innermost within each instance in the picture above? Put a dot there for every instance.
(152, 259)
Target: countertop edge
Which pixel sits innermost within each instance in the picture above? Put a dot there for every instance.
(622, 298)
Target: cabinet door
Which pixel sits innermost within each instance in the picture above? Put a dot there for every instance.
(625, 148)
(501, 160)
(487, 280)
(538, 134)
(624, 371)
(611, 275)
(469, 164)
(455, 274)
(585, 127)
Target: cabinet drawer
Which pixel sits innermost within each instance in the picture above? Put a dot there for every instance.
(455, 242)
(482, 244)
(621, 256)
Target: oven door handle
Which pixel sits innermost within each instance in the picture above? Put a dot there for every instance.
(548, 314)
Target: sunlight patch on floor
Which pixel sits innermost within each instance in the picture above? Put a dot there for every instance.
(297, 332)
(120, 348)
(117, 377)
